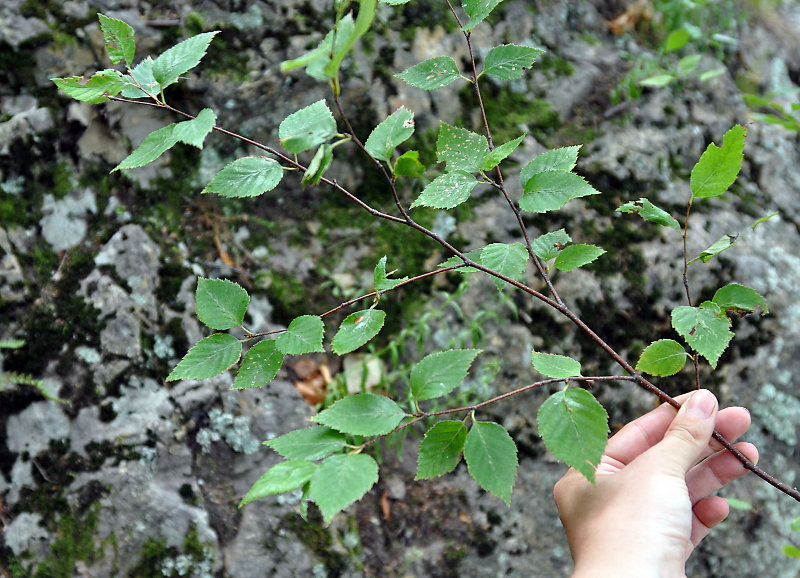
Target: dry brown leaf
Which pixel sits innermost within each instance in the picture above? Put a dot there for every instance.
(639, 11)
(385, 506)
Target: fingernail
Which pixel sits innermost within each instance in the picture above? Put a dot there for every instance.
(701, 404)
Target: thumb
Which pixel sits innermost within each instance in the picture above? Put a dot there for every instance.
(689, 433)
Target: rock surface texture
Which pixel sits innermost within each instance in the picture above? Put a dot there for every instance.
(136, 476)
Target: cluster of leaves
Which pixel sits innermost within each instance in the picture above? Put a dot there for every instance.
(328, 461)
(771, 110)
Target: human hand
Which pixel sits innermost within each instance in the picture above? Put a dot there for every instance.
(651, 503)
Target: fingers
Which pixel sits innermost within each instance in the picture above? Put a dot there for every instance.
(711, 474)
(706, 514)
(641, 434)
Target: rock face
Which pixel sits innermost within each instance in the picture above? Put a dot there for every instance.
(136, 476)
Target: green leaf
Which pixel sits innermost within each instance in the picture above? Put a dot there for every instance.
(441, 449)
(474, 255)
(394, 130)
(156, 144)
(308, 443)
(549, 245)
(722, 244)
(718, 167)
(304, 335)
(737, 504)
(97, 89)
(340, 480)
(246, 177)
(280, 478)
(794, 526)
(657, 81)
(259, 366)
(499, 154)
(705, 329)
(318, 59)
(765, 218)
(366, 13)
(395, 2)
(463, 150)
(446, 191)
(709, 74)
(555, 366)
(408, 165)
(478, 10)
(209, 357)
(663, 357)
(561, 159)
(551, 190)
(740, 299)
(507, 259)
(431, 74)
(575, 256)
(11, 343)
(491, 457)
(440, 373)
(308, 127)
(180, 59)
(574, 427)
(118, 37)
(688, 64)
(365, 414)
(380, 277)
(194, 132)
(509, 61)
(142, 74)
(221, 304)
(649, 212)
(318, 165)
(676, 40)
(356, 330)
(791, 551)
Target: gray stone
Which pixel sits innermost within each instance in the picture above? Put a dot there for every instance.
(25, 533)
(15, 28)
(64, 221)
(32, 429)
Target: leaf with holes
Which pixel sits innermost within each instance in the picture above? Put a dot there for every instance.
(118, 37)
(259, 366)
(221, 304)
(663, 358)
(180, 59)
(554, 365)
(246, 177)
(304, 335)
(509, 61)
(441, 449)
(718, 167)
(574, 427)
(209, 357)
(307, 128)
(740, 299)
(431, 74)
(461, 149)
(365, 414)
(340, 480)
(440, 373)
(649, 212)
(705, 328)
(446, 191)
(394, 130)
(549, 245)
(551, 190)
(356, 330)
(308, 443)
(491, 457)
(575, 256)
(280, 478)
